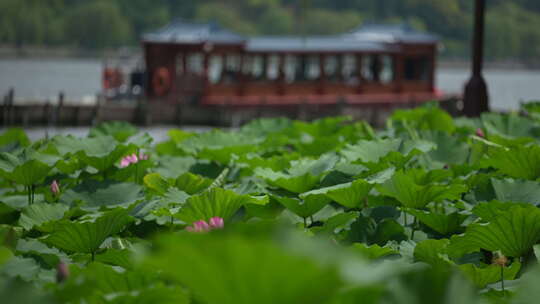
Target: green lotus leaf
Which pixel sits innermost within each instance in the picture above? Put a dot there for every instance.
(373, 252)
(303, 175)
(425, 118)
(40, 213)
(517, 162)
(276, 163)
(100, 152)
(315, 167)
(404, 187)
(120, 130)
(433, 252)
(214, 202)
(231, 269)
(47, 256)
(12, 139)
(99, 281)
(296, 184)
(350, 195)
(370, 151)
(519, 191)
(87, 237)
(192, 183)
(157, 183)
(509, 124)
(445, 224)
(100, 146)
(319, 146)
(172, 166)
(306, 206)
(337, 223)
(26, 269)
(5, 255)
(512, 230)
(178, 135)
(265, 126)
(450, 149)
(116, 257)
(482, 276)
(95, 194)
(23, 169)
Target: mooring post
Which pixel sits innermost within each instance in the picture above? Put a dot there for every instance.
(58, 113)
(11, 105)
(476, 98)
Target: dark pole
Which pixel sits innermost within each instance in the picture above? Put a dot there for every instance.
(476, 98)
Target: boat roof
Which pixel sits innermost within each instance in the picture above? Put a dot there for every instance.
(182, 32)
(390, 33)
(369, 37)
(314, 44)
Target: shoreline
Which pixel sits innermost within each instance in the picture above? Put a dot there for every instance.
(62, 53)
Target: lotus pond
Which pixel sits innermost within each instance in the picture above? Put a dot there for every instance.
(430, 209)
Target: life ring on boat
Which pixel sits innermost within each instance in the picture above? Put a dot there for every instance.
(112, 78)
(161, 81)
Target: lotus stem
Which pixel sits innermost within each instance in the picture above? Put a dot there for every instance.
(404, 218)
(305, 222)
(32, 191)
(413, 228)
(29, 195)
(502, 279)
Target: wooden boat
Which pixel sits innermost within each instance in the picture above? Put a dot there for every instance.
(202, 66)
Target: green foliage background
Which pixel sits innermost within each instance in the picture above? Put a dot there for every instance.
(513, 25)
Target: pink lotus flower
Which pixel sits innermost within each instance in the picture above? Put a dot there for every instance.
(132, 159)
(216, 222)
(480, 133)
(55, 188)
(202, 226)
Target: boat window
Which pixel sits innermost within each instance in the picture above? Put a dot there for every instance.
(313, 70)
(195, 63)
(332, 67)
(417, 68)
(272, 67)
(216, 68)
(291, 63)
(387, 69)
(372, 68)
(247, 62)
(231, 69)
(256, 71)
(349, 72)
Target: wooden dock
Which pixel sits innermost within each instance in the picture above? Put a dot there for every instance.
(153, 112)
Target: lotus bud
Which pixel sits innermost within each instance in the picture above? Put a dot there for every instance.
(143, 156)
(55, 188)
(124, 162)
(499, 259)
(133, 158)
(480, 133)
(216, 222)
(201, 226)
(62, 272)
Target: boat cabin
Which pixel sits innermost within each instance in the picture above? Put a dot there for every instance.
(203, 63)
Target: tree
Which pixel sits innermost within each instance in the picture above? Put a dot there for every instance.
(98, 24)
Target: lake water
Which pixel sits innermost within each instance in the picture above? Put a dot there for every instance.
(79, 78)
